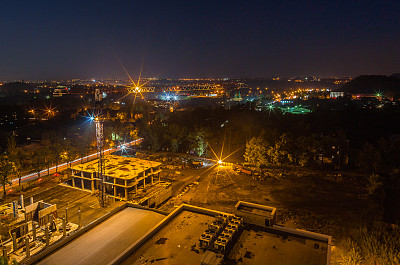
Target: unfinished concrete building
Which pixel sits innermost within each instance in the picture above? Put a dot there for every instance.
(41, 212)
(123, 176)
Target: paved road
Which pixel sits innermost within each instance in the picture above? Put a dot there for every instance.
(61, 167)
(103, 243)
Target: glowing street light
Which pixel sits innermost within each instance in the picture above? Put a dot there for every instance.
(49, 111)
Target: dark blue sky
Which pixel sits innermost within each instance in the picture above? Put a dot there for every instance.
(84, 39)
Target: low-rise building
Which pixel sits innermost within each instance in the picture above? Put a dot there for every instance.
(123, 176)
(188, 235)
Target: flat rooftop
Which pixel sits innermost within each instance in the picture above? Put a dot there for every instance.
(107, 240)
(262, 247)
(178, 243)
(173, 243)
(136, 235)
(118, 166)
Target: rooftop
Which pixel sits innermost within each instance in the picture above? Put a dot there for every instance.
(265, 247)
(174, 243)
(118, 166)
(140, 236)
(177, 242)
(108, 239)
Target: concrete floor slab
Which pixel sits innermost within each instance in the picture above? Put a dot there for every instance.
(103, 243)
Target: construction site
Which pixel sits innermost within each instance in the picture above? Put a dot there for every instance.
(38, 226)
(35, 227)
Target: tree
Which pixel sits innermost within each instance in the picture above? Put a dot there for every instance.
(15, 157)
(374, 184)
(38, 162)
(153, 135)
(129, 131)
(305, 150)
(174, 137)
(69, 152)
(282, 153)
(83, 145)
(369, 158)
(7, 168)
(198, 142)
(133, 134)
(256, 151)
(46, 150)
(12, 147)
(55, 153)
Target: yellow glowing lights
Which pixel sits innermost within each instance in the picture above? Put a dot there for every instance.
(49, 112)
(137, 87)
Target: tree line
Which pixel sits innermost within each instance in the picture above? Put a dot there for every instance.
(52, 150)
(287, 149)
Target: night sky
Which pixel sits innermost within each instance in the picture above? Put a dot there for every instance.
(88, 39)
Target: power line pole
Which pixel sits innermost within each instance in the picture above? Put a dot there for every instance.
(99, 137)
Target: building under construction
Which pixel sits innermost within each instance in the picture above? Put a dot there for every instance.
(124, 177)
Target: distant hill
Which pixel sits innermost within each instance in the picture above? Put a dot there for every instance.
(373, 84)
(396, 75)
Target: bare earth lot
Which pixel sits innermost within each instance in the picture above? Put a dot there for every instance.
(305, 199)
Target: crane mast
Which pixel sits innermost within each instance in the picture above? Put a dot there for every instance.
(99, 138)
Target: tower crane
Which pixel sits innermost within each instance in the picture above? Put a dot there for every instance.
(98, 96)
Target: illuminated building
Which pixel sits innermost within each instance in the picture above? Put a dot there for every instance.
(124, 176)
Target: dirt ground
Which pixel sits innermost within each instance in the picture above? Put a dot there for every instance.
(305, 199)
